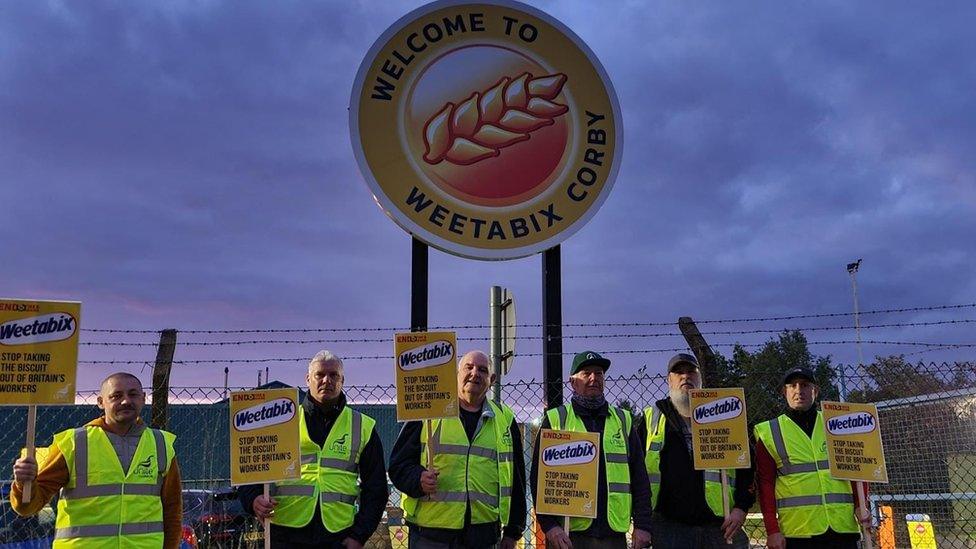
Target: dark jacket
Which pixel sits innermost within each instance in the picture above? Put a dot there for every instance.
(405, 469)
(640, 487)
(682, 495)
(372, 477)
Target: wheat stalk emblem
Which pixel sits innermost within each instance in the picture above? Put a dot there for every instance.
(485, 123)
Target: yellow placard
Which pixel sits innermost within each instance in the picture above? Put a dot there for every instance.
(854, 446)
(38, 351)
(719, 429)
(264, 441)
(426, 375)
(569, 467)
(920, 532)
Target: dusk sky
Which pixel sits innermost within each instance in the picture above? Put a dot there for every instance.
(188, 165)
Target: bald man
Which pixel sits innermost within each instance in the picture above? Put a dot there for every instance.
(117, 477)
(476, 486)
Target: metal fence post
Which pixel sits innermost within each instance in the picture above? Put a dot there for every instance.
(495, 307)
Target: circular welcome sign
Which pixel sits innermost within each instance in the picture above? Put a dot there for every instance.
(488, 130)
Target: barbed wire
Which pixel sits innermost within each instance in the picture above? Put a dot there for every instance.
(532, 338)
(569, 325)
(565, 353)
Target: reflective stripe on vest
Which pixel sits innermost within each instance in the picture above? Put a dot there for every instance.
(109, 530)
(104, 506)
(480, 472)
(808, 499)
(656, 423)
(616, 430)
(329, 475)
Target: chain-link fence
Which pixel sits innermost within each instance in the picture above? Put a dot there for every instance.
(928, 423)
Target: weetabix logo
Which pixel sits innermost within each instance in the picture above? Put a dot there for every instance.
(852, 424)
(570, 453)
(38, 329)
(266, 414)
(487, 129)
(434, 353)
(718, 410)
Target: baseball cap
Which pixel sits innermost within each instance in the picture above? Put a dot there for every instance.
(682, 358)
(588, 358)
(799, 371)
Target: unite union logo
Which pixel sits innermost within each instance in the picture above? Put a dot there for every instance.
(487, 129)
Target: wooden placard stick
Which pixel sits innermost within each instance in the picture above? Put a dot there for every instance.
(31, 451)
(865, 531)
(267, 520)
(725, 498)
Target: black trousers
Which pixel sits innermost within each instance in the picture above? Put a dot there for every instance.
(586, 542)
(829, 539)
(298, 545)
(416, 541)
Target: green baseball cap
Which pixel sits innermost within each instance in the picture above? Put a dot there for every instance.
(588, 358)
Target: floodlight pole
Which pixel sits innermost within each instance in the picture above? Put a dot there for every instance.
(857, 323)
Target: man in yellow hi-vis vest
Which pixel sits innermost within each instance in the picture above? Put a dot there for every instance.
(623, 490)
(119, 480)
(687, 503)
(802, 505)
(342, 465)
(474, 495)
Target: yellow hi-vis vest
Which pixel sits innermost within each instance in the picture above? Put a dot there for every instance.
(616, 431)
(329, 475)
(479, 472)
(808, 500)
(103, 506)
(655, 422)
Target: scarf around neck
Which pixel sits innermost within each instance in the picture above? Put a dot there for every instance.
(588, 403)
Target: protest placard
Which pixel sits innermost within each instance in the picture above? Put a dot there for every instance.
(426, 375)
(569, 468)
(719, 429)
(854, 447)
(264, 440)
(38, 351)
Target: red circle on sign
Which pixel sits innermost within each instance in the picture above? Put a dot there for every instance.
(919, 529)
(460, 77)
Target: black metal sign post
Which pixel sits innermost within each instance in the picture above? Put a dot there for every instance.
(552, 314)
(418, 287)
(552, 327)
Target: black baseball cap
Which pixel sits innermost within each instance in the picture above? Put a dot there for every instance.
(801, 372)
(589, 358)
(682, 358)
